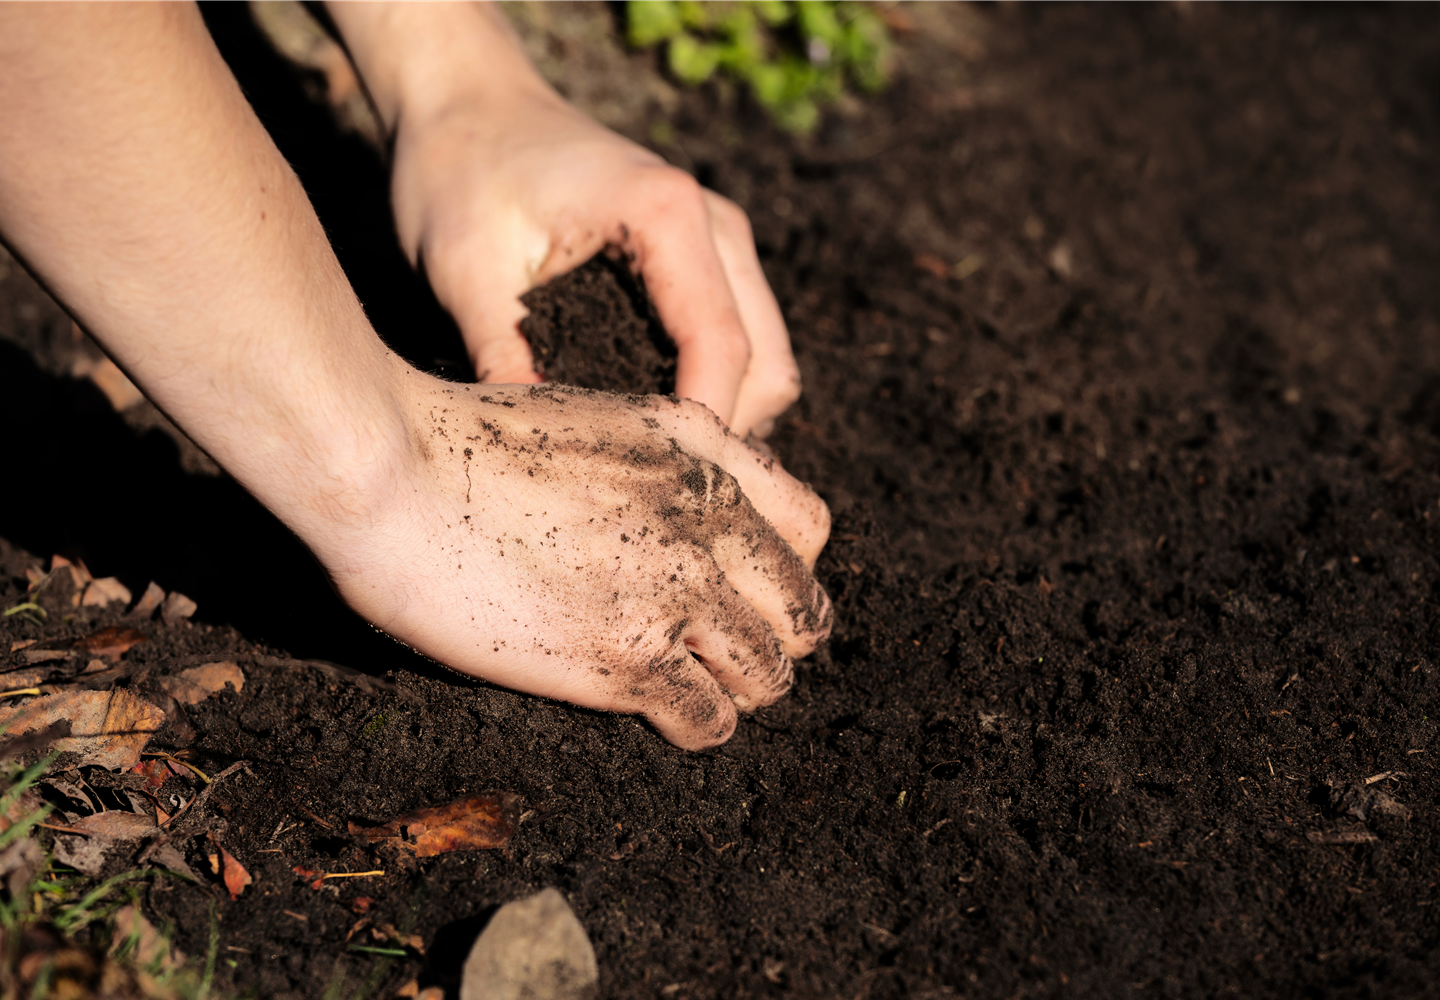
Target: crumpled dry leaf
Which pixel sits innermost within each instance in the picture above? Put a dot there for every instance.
(112, 642)
(236, 877)
(16, 679)
(474, 823)
(32, 656)
(108, 728)
(190, 687)
(153, 597)
(156, 772)
(106, 590)
(176, 608)
(106, 829)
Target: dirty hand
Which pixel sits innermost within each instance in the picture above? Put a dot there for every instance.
(499, 185)
(624, 555)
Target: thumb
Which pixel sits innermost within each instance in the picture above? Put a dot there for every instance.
(487, 308)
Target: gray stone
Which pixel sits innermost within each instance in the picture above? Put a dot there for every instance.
(532, 949)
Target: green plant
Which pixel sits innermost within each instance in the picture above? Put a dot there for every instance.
(68, 903)
(794, 55)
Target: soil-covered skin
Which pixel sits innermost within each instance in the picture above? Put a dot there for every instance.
(1134, 563)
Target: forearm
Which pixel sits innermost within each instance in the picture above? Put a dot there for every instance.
(138, 184)
(414, 56)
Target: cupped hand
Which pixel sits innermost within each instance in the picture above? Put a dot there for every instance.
(494, 196)
(621, 553)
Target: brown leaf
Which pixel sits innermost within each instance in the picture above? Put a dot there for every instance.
(236, 877)
(317, 878)
(477, 822)
(104, 591)
(32, 656)
(115, 825)
(24, 678)
(177, 608)
(108, 728)
(78, 572)
(190, 687)
(111, 642)
(156, 772)
(153, 597)
(104, 830)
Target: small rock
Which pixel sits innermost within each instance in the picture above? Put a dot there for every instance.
(533, 948)
(177, 608)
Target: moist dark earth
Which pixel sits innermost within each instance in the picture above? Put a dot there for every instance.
(1134, 557)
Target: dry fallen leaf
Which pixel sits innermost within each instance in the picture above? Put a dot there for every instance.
(176, 608)
(105, 591)
(32, 656)
(23, 678)
(108, 728)
(190, 687)
(474, 823)
(111, 642)
(156, 772)
(153, 597)
(87, 853)
(115, 825)
(236, 877)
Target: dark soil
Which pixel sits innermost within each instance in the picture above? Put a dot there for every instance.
(1134, 560)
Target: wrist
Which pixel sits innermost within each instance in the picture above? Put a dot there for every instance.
(419, 59)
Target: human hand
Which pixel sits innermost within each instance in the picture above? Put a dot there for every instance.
(620, 555)
(494, 205)
(499, 185)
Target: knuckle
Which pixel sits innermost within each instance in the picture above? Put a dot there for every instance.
(675, 189)
(729, 219)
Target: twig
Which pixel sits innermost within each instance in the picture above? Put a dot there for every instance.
(351, 874)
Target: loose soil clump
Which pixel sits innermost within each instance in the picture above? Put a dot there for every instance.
(1120, 345)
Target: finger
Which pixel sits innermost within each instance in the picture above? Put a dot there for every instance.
(772, 379)
(687, 282)
(681, 699)
(764, 571)
(739, 649)
(483, 296)
(792, 508)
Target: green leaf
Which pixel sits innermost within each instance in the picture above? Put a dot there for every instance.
(818, 21)
(866, 50)
(745, 48)
(696, 15)
(772, 12)
(691, 60)
(799, 117)
(648, 22)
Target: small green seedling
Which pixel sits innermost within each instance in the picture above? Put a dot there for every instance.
(794, 56)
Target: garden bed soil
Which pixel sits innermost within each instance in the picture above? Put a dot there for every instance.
(1121, 350)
